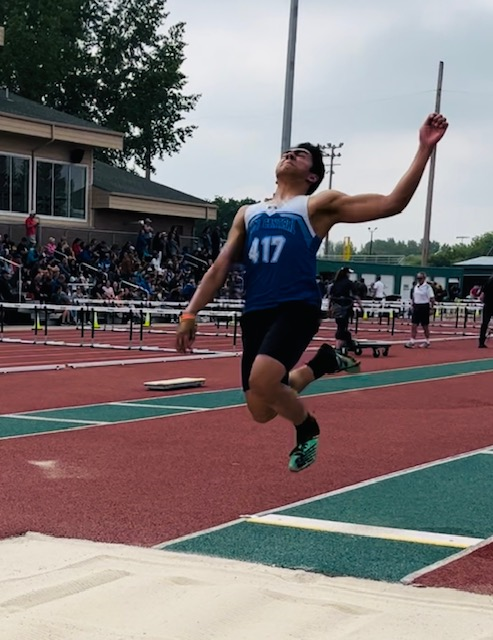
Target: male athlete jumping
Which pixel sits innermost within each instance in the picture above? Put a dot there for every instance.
(277, 241)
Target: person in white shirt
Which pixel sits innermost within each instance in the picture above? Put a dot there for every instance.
(378, 288)
(422, 303)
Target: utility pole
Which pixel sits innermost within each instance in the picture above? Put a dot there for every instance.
(287, 118)
(425, 252)
(372, 231)
(329, 151)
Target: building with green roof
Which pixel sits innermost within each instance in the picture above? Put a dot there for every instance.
(47, 167)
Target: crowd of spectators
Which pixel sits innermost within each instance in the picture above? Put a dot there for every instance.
(156, 267)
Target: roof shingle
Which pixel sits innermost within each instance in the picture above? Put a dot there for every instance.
(13, 104)
(116, 180)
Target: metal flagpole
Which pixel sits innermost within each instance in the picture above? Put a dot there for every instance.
(425, 252)
(288, 90)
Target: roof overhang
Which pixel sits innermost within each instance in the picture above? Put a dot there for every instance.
(52, 131)
(152, 206)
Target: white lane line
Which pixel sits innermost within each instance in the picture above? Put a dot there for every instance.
(322, 393)
(414, 577)
(335, 492)
(376, 480)
(369, 531)
(21, 416)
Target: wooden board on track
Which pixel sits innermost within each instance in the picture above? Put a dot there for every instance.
(174, 383)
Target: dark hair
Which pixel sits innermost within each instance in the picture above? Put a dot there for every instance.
(343, 271)
(318, 167)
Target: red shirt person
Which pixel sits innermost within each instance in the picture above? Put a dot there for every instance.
(32, 222)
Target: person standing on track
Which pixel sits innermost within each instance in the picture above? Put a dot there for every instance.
(277, 240)
(486, 297)
(342, 298)
(422, 304)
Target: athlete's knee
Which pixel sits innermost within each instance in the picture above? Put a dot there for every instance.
(262, 385)
(263, 416)
(259, 411)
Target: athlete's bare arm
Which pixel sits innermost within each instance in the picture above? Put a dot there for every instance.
(212, 281)
(330, 207)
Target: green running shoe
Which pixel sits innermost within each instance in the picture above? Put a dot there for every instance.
(348, 364)
(303, 455)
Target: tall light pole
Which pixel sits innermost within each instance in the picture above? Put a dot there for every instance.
(329, 151)
(372, 231)
(287, 118)
(425, 252)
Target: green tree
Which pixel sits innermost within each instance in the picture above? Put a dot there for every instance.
(110, 61)
(392, 247)
(449, 254)
(480, 246)
(227, 209)
(43, 49)
(136, 69)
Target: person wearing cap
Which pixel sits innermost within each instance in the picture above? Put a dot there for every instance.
(278, 240)
(342, 298)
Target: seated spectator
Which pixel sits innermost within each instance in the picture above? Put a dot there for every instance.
(108, 291)
(77, 245)
(7, 293)
(50, 247)
(188, 289)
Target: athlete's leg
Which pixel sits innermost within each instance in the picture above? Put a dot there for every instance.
(269, 396)
(298, 380)
(487, 313)
(325, 361)
(414, 331)
(268, 389)
(341, 332)
(271, 391)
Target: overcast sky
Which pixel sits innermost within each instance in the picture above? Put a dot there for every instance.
(366, 75)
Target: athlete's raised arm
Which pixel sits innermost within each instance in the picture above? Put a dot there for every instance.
(366, 207)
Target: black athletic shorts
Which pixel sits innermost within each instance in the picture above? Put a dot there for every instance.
(283, 333)
(421, 314)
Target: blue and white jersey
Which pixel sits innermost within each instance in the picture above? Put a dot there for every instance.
(280, 255)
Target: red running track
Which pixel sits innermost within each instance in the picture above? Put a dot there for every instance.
(132, 482)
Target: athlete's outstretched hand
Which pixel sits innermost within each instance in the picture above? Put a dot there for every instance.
(433, 129)
(185, 333)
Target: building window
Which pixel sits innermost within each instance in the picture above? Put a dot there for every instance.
(14, 183)
(61, 190)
